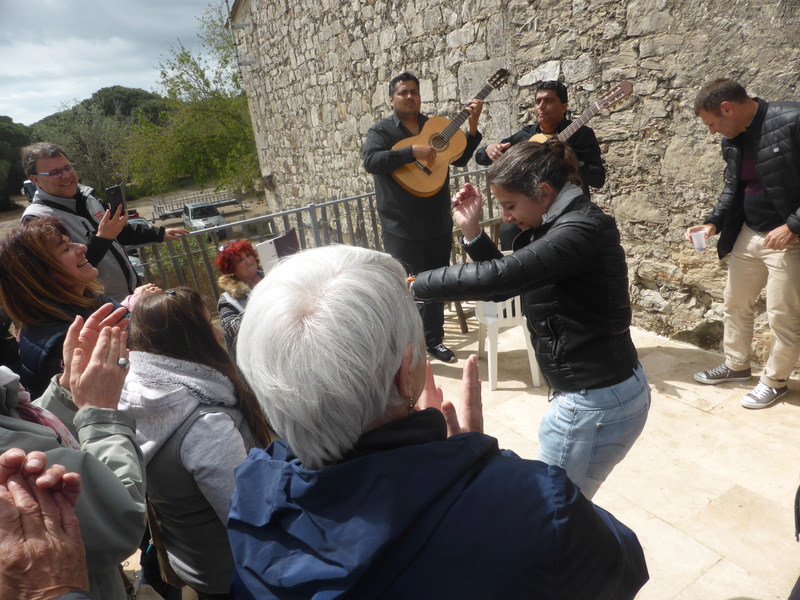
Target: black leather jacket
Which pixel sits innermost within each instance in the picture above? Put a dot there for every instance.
(778, 166)
(573, 278)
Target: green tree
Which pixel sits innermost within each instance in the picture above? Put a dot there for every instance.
(123, 101)
(13, 137)
(207, 133)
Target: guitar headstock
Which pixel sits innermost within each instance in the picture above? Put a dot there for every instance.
(615, 97)
(499, 79)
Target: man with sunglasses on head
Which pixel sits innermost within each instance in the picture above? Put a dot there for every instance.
(87, 219)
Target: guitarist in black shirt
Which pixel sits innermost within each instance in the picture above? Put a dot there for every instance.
(551, 110)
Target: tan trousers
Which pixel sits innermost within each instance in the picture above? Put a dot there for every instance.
(753, 266)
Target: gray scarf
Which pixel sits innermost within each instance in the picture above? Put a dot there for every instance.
(164, 372)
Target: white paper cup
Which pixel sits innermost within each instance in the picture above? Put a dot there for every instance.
(699, 240)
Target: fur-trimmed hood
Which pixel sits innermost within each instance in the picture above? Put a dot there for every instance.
(237, 288)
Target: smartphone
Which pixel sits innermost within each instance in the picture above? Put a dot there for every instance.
(115, 195)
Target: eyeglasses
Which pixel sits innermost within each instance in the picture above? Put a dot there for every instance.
(57, 173)
(224, 246)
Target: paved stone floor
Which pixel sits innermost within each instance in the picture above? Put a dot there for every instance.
(708, 487)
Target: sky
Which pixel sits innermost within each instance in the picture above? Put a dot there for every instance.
(57, 52)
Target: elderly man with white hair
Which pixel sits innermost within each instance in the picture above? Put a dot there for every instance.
(379, 489)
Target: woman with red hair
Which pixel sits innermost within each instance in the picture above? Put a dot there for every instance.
(238, 262)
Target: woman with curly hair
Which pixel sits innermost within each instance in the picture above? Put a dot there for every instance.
(238, 262)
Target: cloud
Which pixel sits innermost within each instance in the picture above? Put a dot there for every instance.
(57, 52)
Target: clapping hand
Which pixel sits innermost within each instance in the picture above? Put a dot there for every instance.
(85, 335)
(97, 378)
(93, 351)
(41, 551)
(466, 413)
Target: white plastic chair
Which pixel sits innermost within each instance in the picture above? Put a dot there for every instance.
(494, 317)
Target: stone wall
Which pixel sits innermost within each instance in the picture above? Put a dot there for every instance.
(319, 80)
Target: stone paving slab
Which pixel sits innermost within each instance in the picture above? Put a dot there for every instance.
(708, 487)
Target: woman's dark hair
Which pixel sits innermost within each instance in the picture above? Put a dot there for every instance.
(525, 166)
(28, 291)
(173, 324)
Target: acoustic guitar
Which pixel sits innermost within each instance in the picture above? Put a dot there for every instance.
(423, 178)
(616, 95)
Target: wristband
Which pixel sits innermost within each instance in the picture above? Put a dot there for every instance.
(467, 244)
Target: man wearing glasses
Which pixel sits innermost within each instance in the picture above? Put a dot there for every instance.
(59, 194)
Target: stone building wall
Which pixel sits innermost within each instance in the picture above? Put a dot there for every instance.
(320, 69)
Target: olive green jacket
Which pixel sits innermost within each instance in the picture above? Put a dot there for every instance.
(111, 508)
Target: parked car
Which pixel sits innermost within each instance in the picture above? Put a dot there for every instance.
(28, 189)
(137, 220)
(136, 262)
(201, 215)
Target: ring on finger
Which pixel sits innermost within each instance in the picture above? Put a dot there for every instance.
(124, 363)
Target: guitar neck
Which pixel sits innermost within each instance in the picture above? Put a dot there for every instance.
(459, 119)
(579, 122)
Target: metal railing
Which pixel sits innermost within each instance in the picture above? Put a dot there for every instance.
(353, 221)
(170, 207)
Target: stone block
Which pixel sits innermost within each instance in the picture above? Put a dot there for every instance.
(579, 69)
(545, 72)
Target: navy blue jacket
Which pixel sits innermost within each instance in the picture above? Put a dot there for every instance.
(413, 514)
(41, 345)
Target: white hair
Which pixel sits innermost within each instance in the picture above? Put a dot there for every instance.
(320, 343)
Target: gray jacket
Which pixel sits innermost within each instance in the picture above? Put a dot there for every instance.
(81, 216)
(192, 435)
(111, 507)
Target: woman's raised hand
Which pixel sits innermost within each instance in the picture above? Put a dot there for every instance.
(97, 376)
(85, 335)
(431, 396)
(467, 211)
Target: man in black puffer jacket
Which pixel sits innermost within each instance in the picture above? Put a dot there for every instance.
(758, 215)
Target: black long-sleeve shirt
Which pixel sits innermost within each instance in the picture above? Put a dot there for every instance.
(402, 213)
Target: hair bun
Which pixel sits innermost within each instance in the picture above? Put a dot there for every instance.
(556, 146)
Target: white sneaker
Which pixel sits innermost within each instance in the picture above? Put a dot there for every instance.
(763, 396)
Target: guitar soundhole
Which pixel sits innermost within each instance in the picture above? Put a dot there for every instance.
(438, 142)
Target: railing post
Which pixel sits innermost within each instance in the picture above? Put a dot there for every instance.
(312, 215)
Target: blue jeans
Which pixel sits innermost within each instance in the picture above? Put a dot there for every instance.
(588, 432)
